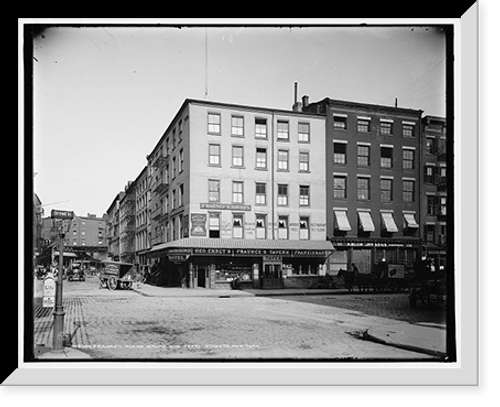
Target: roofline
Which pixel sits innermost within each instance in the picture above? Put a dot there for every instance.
(117, 197)
(351, 104)
(227, 105)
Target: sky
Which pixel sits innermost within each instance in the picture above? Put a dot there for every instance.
(104, 95)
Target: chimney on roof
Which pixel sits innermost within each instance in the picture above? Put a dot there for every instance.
(305, 100)
(297, 106)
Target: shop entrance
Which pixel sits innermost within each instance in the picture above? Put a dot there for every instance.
(202, 276)
(272, 275)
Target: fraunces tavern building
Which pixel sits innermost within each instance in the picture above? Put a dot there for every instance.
(238, 192)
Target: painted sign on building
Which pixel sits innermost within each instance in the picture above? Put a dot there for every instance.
(198, 224)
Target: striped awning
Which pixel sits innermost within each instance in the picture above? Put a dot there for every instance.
(388, 222)
(342, 220)
(366, 221)
(410, 220)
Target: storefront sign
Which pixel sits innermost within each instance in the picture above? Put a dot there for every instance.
(396, 271)
(373, 244)
(248, 252)
(198, 224)
(225, 207)
(273, 258)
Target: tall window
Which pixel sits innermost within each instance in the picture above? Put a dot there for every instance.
(237, 192)
(174, 200)
(304, 161)
(339, 153)
(261, 158)
(431, 204)
(214, 154)
(283, 160)
(213, 190)
(260, 193)
(260, 226)
(442, 205)
(363, 188)
(408, 130)
(408, 159)
(181, 160)
(363, 126)
(408, 191)
(339, 122)
(282, 195)
(174, 168)
(304, 228)
(214, 123)
(363, 155)
(431, 145)
(304, 195)
(304, 132)
(386, 128)
(386, 157)
(237, 126)
(386, 190)
(429, 174)
(181, 194)
(282, 227)
(260, 128)
(340, 186)
(237, 226)
(214, 225)
(237, 156)
(283, 130)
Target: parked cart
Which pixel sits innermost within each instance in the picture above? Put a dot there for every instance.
(117, 275)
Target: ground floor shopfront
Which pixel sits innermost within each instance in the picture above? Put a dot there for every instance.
(365, 254)
(223, 263)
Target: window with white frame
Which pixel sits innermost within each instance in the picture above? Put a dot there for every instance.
(213, 190)
(214, 155)
(237, 156)
(260, 127)
(304, 195)
(237, 126)
(304, 161)
(282, 160)
(282, 195)
(283, 130)
(237, 192)
(260, 226)
(260, 193)
(261, 158)
(237, 226)
(214, 225)
(214, 123)
(304, 133)
(282, 227)
(304, 228)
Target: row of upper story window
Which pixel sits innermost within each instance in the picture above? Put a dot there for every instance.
(214, 127)
(368, 125)
(261, 193)
(364, 155)
(364, 187)
(260, 159)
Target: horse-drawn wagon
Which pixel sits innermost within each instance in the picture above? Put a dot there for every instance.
(117, 275)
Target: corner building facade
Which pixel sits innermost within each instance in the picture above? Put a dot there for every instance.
(239, 192)
(372, 183)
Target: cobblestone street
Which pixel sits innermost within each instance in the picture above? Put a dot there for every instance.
(125, 325)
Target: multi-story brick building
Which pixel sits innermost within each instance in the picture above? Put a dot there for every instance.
(434, 190)
(142, 219)
(113, 234)
(239, 191)
(372, 158)
(127, 227)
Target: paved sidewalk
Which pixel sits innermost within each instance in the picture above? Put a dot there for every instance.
(423, 338)
(177, 292)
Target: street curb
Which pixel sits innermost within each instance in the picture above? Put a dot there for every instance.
(212, 294)
(373, 338)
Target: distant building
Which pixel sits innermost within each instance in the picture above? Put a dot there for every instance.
(435, 191)
(113, 235)
(87, 231)
(142, 218)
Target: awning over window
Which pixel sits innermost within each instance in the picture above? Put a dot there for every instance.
(366, 221)
(388, 222)
(410, 220)
(342, 221)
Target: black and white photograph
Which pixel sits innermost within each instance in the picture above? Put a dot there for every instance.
(240, 193)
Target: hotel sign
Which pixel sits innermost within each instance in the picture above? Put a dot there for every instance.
(225, 207)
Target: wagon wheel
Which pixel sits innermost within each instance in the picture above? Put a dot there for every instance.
(126, 285)
(112, 283)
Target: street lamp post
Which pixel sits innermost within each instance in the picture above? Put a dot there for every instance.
(57, 333)
(58, 327)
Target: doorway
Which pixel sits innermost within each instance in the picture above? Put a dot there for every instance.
(272, 276)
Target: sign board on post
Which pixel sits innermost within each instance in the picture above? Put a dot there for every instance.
(56, 213)
(49, 292)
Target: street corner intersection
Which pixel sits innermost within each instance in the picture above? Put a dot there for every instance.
(124, 325)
